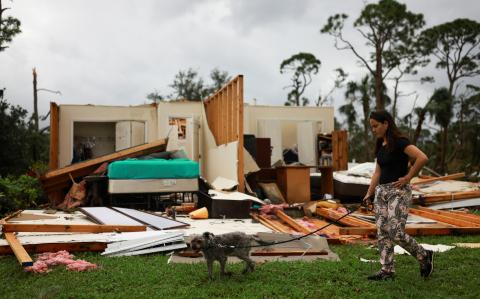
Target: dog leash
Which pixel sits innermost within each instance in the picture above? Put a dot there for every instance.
(366, 204)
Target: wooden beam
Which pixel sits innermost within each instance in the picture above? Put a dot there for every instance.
(54, 133)
(441, 178)
(290, 221)
(276, 226)
(446, 196)
(265, 223)
(474, 219)
(73, 228)
(444, 218)
(54, 247)
(135, 151)
(22, 256)
(413, 231)
(60, 177)
(280, 252)
(241, 177)
(348, 220)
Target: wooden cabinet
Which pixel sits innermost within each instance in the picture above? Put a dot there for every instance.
(294, 183)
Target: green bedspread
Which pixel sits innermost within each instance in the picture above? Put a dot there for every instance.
(153, 169)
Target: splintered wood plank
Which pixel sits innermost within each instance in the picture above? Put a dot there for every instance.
(348, 220)
(474, 219)
(447, 196)
(263, 222)
(59, 177)
(22, 256)
(54, 247)
(444, 218)
(71, 228)
(331, 230)
(290, 221)
(441, 178)
(413, 231)
(278, 252)
(277, 226)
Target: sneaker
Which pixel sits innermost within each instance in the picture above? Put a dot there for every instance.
(426, 266)
(382, 275)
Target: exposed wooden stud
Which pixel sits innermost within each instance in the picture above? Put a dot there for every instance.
(22, 256)
(241, 177)
(54, 133)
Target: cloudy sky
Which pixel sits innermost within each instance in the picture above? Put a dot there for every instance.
(116, 52)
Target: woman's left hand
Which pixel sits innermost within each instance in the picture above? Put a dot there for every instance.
(402, 182)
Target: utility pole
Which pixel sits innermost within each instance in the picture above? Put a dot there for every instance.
(35, 100)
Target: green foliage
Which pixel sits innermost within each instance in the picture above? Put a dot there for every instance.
(219, 78)
(456, 46)
(21, 144)
(19, 193)
(9, 27)
(389, 29)
(302, 66)
(188, 85)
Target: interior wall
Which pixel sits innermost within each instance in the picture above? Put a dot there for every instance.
(192, 112)
(69, 114)
(252, 113)
(104, 133)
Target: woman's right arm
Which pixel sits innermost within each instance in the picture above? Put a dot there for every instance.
(373, 182)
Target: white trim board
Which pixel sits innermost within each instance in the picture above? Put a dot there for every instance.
(152, 250)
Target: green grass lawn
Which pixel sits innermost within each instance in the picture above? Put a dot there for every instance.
(457, 274)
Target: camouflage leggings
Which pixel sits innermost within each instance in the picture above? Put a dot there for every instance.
(391, 212)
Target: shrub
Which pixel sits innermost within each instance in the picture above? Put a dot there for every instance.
(19, 193)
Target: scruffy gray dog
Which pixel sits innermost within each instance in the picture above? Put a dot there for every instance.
(220, 247)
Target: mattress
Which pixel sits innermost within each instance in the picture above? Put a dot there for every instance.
(153, 169)
(152, 186)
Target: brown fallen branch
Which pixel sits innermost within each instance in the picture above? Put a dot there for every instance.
(71, 228)
(442, 178)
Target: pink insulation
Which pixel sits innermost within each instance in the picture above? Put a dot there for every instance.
(63, 257)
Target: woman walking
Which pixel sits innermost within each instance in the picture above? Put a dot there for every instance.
(393, 195)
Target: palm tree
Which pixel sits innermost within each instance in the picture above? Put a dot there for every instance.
(441, 109)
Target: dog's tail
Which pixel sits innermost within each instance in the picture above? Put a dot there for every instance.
(262, 242)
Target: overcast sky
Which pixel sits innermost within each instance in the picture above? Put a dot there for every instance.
(116, 52)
